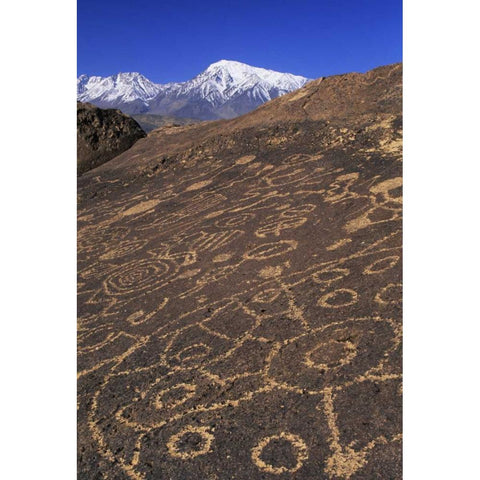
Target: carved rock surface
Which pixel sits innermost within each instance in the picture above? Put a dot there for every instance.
(239, 294)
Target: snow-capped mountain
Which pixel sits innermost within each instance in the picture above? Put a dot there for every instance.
(131, 90)
(225, 89)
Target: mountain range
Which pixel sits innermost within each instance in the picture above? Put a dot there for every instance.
(226, 89)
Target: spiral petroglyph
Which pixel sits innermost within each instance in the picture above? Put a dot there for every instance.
(136, 276)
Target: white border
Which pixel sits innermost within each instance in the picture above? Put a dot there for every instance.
(38, 263)
(38, 241)
(441, 270)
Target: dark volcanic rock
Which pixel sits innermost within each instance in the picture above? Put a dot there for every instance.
(102, 135)
(239, 294)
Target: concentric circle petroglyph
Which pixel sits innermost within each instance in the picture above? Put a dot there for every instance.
(136, 276)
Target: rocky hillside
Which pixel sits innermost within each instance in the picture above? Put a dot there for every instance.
(239, 294)
(151, 122)
(317, 115)
(102, 135)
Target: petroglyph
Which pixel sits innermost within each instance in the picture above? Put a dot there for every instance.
(301, 453)
(239, 313)
(205, 443)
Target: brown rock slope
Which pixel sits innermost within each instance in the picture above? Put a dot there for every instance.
(102, 135)
(239, 294)
(150, 122)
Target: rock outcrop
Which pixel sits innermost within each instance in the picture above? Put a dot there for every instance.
(102, 135)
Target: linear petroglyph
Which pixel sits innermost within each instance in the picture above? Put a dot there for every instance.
(239, 309)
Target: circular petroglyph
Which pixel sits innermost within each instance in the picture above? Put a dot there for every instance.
(351, 347)
(136, 276)
(330, 354)
(190, 442)
(329, 276)
(342, 297)
(297, 445)
(382, 265)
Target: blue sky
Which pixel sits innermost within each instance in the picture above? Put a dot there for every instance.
(175, 40)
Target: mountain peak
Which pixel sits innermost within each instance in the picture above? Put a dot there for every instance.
(128, 75)
(226, 89)
(235, 69)
(227, 64)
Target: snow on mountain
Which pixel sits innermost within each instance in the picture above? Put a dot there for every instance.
(224, 90)
(226, 79)
(117, 91)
